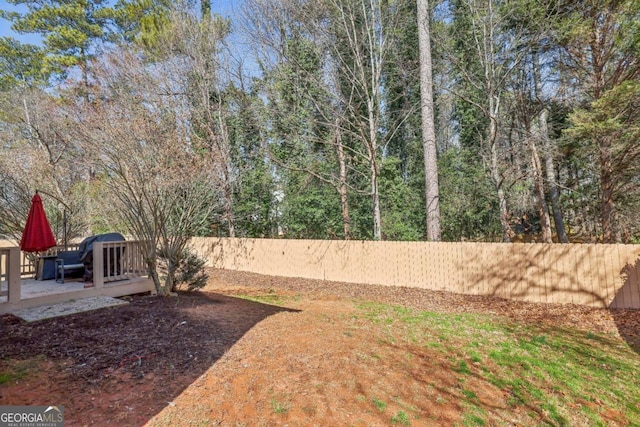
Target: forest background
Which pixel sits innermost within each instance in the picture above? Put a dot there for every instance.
(302, 119)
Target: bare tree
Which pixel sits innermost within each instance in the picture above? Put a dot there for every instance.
(197, 45)
(497, 51)
(352, 36)
(538, 179)
(551, 180)
(359, 24)
(39, 154)
(138, 135)
(268, 22)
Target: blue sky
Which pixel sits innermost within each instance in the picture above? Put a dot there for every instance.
(224, 8)
(5, 26)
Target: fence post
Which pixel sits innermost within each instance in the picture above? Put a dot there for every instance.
(98, 265)
(13, 276)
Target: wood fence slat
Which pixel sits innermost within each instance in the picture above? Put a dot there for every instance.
(633, 274)
(633, 266)
(537, 278)
(622, 292)
(628, 292)
(609, 272)
(600, 284)
(588, 274)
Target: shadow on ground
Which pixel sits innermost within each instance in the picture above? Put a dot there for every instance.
(121, 365)
(628, 320)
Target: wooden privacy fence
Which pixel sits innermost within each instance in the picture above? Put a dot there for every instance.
(585, 274)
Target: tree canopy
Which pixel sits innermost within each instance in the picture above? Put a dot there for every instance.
(534, 132)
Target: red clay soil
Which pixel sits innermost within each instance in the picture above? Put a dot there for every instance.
(209, 358)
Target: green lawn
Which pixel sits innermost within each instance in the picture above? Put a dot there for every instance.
(560, 377)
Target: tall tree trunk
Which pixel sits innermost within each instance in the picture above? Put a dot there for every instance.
(377, 222)
(228, 207)
(428, 128)
(496, 176)
(507, 232)
(222, 154)
(346, 223)
(550, 169)
(372, 147)
(552, 185)
(543, 209)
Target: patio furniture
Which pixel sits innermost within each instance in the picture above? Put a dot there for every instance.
(46, 267)
(112, 255)
(68, 263)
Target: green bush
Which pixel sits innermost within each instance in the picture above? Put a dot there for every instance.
(190, 273)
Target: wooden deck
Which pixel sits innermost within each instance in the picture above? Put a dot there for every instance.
(31, 288)
(18, 292)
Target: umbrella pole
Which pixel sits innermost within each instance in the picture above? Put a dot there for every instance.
(64, 228)
(64, 216)
(64, 225)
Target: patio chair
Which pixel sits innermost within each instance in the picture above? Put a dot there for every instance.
(68, 264)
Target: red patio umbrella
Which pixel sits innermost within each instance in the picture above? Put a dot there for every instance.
(37, 235)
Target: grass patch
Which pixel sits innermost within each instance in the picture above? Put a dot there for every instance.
(473, 420)
(462, 367)
(20, 369)
(469, 394)
(379, 404)
(5, 377)
(401, 418)
(279, 407)
(550, 376)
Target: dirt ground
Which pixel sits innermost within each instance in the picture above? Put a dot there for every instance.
(210, 358)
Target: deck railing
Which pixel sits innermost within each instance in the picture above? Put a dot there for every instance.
(27, 264)
(28, 261)
(4, 256)
(123, 260)
(10, 273)
(118, 269)
(120, 261)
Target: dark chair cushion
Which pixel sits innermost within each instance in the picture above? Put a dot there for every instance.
(68, 264)
(71, 258)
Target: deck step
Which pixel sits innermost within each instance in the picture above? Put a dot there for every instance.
(65, 308)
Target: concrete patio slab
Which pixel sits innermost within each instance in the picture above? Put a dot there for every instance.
(71, 307)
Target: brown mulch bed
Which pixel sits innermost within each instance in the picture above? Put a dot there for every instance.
(122, 366)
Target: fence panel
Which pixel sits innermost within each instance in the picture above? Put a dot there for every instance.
(586, 274)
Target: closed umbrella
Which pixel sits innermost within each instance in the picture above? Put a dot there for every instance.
(37, 235)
